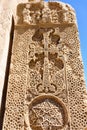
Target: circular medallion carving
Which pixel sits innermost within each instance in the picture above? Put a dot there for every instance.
(47, 113)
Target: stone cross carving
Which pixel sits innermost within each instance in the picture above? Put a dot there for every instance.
(46, 84)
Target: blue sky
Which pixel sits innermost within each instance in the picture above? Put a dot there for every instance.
(80, 7)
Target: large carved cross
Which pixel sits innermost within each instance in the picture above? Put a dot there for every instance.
(46, 49)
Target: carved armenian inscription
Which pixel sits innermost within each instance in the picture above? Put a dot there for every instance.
(39, 13)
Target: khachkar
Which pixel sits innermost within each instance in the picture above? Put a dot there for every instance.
(46, 89)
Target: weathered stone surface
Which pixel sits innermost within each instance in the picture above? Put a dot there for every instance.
(46, 88)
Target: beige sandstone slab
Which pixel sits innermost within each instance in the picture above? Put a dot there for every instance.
(46, 88)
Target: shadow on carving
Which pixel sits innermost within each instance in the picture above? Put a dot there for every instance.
(59, 63)
(32, 64)
(38, 36)
(55, 38)
(6, 76)
(54, 5)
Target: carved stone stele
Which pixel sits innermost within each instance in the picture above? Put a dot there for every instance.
(46, 88)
